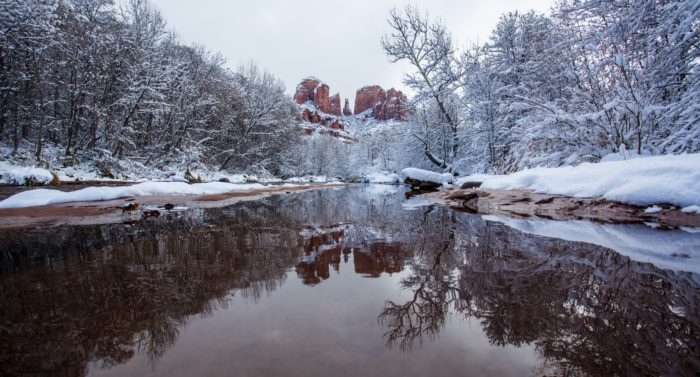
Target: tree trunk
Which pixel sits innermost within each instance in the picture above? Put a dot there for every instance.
(42, 122)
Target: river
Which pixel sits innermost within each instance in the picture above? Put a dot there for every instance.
(347, 281)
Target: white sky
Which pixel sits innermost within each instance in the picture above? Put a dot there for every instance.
(336, 41)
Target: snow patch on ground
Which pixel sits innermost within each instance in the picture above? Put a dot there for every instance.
(40, 197)
(653, 209)
(475, 178)
(427, 176)
(691, 209)
(383, 178)
(673, 179)
(670, 249)
(312, 179)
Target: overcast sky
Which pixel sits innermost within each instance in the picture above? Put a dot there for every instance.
(336, 41)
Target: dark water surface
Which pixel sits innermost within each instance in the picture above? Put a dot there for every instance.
(347, 282)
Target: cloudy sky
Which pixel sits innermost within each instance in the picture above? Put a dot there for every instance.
(336, 41)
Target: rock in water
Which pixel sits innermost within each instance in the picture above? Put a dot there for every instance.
(424, 179)
(471, 184)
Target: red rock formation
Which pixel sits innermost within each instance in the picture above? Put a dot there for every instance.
(368, 97)
(302, 95)
(384, 105)
(306, 90)
(335, 105)
(394, 106)
(321, 98)
(346, 109)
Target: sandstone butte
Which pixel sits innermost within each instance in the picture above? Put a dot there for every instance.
(385, 105)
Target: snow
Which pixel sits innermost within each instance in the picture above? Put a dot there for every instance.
(653, 209)
(384, 178)
(622, 155)
(677, 250)
(21, 175)
(40, 197)
(475, 178)
(427, 176)
(673, 179)
(691, 209)
(312, 179)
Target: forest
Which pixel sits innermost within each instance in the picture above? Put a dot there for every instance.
(105, 83)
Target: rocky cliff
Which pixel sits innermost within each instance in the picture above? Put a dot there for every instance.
(322, 113)
(335, 105)
(385, 105)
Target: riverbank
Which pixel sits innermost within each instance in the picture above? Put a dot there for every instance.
(525, 204)
(132, 209)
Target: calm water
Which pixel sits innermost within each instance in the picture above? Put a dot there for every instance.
(349, 282)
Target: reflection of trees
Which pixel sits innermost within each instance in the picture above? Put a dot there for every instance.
(433, 284)
(136, 296)
(588, 310)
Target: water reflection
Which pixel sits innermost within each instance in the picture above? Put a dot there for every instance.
(587, 309)
(117, 291)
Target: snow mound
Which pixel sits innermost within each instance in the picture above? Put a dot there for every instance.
(642, 181)
(41, 197)
(475, 178)
(312, 179)
(427, 176)
(384, 178)
(25, 175)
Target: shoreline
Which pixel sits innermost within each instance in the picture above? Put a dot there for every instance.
(112, 211)
(526, 204)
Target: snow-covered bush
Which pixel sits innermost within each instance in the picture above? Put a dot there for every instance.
(26, 176)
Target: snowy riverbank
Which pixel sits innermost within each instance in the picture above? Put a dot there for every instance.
(41, 197)
(645, 181)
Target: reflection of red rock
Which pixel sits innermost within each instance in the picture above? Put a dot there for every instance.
(382, 257)
(335, 105)
(346, 108)
(321, 251)
(384, 105)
